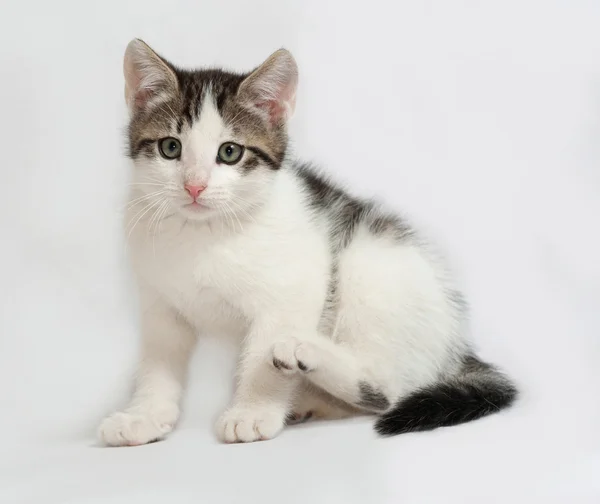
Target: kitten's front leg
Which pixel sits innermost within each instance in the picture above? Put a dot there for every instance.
(263, 397)
(167, 342)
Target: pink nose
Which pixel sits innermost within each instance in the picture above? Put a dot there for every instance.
(194, 190)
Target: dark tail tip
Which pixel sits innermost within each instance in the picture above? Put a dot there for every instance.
(478, 391)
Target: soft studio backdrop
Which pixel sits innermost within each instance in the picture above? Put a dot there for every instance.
(480, 119)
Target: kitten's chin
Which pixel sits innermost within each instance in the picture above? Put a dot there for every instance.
(196, 211)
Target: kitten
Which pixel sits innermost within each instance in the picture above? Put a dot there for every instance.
(341, 307)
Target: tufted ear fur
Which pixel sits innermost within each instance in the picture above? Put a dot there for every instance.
(149, 79)
(271, 88)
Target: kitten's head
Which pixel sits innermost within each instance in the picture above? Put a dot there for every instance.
(207, 143)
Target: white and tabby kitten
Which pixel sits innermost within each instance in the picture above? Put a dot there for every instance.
(340, 306)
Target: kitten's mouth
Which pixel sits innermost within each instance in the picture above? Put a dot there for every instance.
(195, 205)
(196, 209)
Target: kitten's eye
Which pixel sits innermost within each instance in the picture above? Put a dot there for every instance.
(170, 148)
(230, 153)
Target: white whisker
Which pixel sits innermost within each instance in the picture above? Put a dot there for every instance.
(143, 212)
(131, 184)
(233, 213)
(154, 220)
(143, 198)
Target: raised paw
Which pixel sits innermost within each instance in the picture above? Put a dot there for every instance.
(292, 355)
(137, 427)
(245, 425)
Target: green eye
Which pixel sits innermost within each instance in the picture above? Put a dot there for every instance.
(170, 148)
(230, 153)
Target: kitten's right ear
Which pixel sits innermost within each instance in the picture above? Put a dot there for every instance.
(148, 78)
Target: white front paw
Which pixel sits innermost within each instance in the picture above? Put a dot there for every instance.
(250, 424)
(137, 427)
(293, 355)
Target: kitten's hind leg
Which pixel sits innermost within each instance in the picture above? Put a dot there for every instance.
(312, 403)
(333, 368)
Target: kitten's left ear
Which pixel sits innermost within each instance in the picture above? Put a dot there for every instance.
(271, 88)
(148, 78)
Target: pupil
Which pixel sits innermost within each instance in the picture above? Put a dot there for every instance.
(172, 146)
(229, 150)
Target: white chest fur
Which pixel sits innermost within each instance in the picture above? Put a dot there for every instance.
(219, 272)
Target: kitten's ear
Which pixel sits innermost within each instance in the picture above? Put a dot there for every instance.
(148, 78)
(271, 88)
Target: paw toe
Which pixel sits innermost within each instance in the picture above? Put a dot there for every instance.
(134, 429)
(291, 356)
(305, 357)
(283, 357)
(246, 426)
